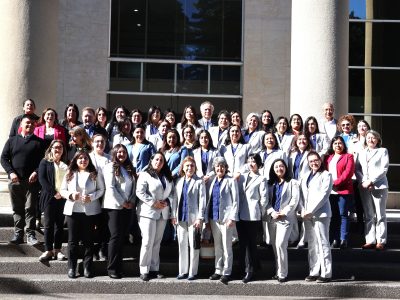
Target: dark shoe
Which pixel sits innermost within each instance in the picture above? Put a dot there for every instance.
(343, 244)
(156, 275)
(323, 280)
(71, 273)
(311, 278)
(335, 244)
(145, 277)
(114, 275)
(17, 239)
(32, 240)
(215, 276)
(103, 255)
(191, 278)
(368, 246)
(225, 279)
(283, 279)
(87, 273)
(380, 247)
(182, 276)
(248, 277)
(275, 277)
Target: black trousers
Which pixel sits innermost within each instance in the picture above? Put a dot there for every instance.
(80, 228)
(118, 224)
(54, 224)
(247, 233)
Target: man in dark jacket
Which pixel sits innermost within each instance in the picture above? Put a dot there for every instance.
(20, 159)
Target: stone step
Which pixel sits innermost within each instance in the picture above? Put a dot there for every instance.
(51, 283)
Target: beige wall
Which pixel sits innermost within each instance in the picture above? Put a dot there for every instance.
(266, 71)
(83, 44)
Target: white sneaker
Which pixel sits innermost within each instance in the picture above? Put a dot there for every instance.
(59, 256)
(46, 256)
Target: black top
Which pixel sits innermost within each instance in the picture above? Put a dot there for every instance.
(22, 155)
(16, 122)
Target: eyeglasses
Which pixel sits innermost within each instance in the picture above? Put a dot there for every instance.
(346, 125)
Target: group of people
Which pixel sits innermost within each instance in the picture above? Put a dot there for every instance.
(299, 181)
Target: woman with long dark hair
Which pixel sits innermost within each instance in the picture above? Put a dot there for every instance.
(101, 117)
(48, 128)
(153, 117)
(155, 193)
(267, 120)
(51, 173)
(119, 200)
(171, 150)
(315, 188)
(189, 117)
(82, 187)
(319, 141)
(140, 150)
(341, 165)
(281, 210)
(118, 114)
(283, 134)
(204, 153)
(71, 116)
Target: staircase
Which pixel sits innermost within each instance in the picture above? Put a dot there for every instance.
(356, 272)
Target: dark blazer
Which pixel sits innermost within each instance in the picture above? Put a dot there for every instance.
(47, 181)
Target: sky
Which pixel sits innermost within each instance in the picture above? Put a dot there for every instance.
(358, 6)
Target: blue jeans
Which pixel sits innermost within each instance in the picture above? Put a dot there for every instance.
(339, 228)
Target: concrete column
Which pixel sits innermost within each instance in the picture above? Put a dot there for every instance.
(319, 56)
(28, 57)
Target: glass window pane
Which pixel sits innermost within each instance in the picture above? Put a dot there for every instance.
(377, 9)
(192, 79)
(225, 80)
(357, 9)
(384, 46)
(181, 29)
(158, 78)
(393, 176)
(124, 76)
(381, 85)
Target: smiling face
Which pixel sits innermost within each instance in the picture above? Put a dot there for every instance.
(362, 128)
(223, 121)
(172, 139)
(71, 113)
(162, 129)
(29, 107)
(155, 117)
(157, 162)
(252, 165)
(279, 169)
(136, 118)
(120, 114)
(269, 141)
(252, 123)
(296, 122)
(236, 119)
(206, 111)
(121, 155)
(27, 126)
(170, 117)
(372, 141)
(281, 126)
(101, 116)
(139, 135)
(314, 162)
(87, 118)
(189, 168)
(346, 126)
(189, 114)
(82, 162)
(188, 135)
(235, 133)
(266, 118)
(328, 111)
(312, 126)
(220, 170)
(338, 146)
(204, 140)
(57, 151)
(99, 144)
(302, 142)
(50, 117)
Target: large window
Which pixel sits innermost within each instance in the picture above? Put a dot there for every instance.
(166, 49)
(374, 72)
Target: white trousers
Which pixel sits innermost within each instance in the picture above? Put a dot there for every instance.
(188, 264)
(280, 232)
(223, 247)
(152, 233)
(374, 205)
(319, 249)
